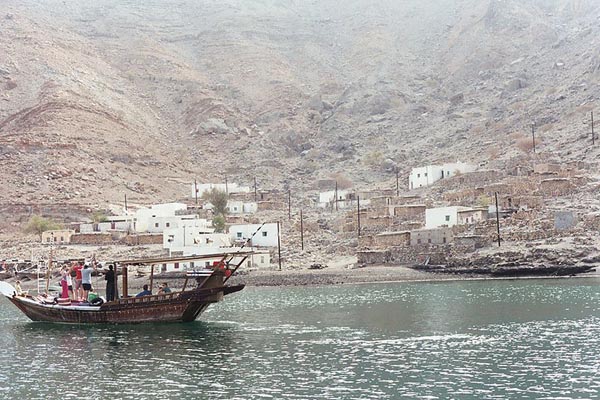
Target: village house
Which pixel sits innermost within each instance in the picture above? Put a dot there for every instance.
(391, 239)
(408, 211)
(328, 199)
(266, 237)
(122, 223)
(436, 236)
(455, 215)
(425, 176)
(154, 219)
(159, 217)
(258, 259)
(60, 236)
(178, 239)
(239, 207)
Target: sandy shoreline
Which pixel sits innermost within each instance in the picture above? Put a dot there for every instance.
(326, 276)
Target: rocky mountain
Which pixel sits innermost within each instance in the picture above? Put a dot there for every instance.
(104, 98)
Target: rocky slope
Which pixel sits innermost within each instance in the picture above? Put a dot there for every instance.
(104, 98)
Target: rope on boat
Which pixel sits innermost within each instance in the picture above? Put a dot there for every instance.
(239, 251)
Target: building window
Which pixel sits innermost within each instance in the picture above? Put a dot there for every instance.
(207, 264)
(262, 259)
(62, 239)
(239, 235)
(264, 234)
(444, 240)
(249, 263)
(156, 224)
(428, 240)
(168, 224)
(447, 218)
(48, 239)
(425, 174)
(176, 265)
(191, 264)
(418, 175)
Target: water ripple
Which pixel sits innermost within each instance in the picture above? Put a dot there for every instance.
(495, 340)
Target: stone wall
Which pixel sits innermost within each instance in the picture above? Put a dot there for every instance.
(142, 239)
(272, 205)
(391, 239)
(406, 255)
(92, 238)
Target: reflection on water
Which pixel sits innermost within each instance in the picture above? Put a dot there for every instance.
(500, 339)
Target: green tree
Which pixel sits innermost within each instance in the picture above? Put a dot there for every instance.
(218, 199)
(98, 216)
(218, 223)
(38, 224)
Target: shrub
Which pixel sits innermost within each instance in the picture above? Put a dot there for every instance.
(218, 223)
(218, 199)
(38, 224)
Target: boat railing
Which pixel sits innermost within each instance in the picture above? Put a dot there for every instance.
(149, 298)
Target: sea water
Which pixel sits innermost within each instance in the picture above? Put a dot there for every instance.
(524, 339)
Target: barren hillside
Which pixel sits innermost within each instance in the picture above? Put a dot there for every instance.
(104, 98)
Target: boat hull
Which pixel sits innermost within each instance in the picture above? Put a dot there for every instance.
(174, 307)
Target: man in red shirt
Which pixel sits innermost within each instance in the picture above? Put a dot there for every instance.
(77, 267)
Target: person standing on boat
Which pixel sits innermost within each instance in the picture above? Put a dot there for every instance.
(78, 290)
(64, 273)
(70, 284)
(110, 283)
(86, 281)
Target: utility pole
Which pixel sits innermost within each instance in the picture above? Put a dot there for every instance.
(533, 136)
(497, 218)
(397, 183)
(196, 191)
(289, 205)
(279, 244)
(358, 214)
(301, 229)
(336, 196)
(593, 136)
(125, 201)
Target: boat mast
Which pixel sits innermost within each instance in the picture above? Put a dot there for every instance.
(49, 271)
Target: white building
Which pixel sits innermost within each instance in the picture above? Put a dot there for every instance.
(254, 259)
(345, 199)
(425, 176)
(123, 223)
(450, 216)
(199, 189)
(154, 219)
(239, 207)
(266, 237)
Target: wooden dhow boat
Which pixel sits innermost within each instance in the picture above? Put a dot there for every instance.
(184, 305)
